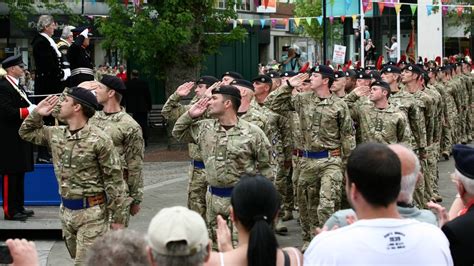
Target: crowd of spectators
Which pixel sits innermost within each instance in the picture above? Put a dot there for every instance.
(382, 228)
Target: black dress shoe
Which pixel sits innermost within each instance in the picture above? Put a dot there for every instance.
(16, 217)
(27, 212)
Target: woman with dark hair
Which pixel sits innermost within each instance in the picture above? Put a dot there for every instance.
(255, 205)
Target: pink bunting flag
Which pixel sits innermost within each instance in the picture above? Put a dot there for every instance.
(331, 19)
(343, 18)
(381, 7)
(460, 9)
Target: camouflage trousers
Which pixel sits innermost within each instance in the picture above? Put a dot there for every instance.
(81, 228)
(433, 155)
(420, 197)
(197, 187)
(284, 187)
(446, 138)
(216, 205)
(295, 163)
(319, 185)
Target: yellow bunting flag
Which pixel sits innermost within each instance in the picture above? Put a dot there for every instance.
(398, 6)
(240, 21)
(354, 17)
(297, 21)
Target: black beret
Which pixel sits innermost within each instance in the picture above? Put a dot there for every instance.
(374, 74)
(228, 90)
(339, 74)
(381, 83)
(445, 68)
(431, 69)
(208, 80)
(391, 69)
(464, 160)
(323, 70)
(273, 74)
(370, 68)
(413, 68)
(363, 75)
(360, 69)
(243, 83)
(262, 79)
(351, 73)
(233, 74)
(463, 61)
(288, 74)
(84, 96)
(12, 61)
(404, 62)
(114, 83)
(391, 63)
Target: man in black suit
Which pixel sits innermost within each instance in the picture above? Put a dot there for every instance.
(460, 231)
(16, 155)
(138, 102)
(50, 72)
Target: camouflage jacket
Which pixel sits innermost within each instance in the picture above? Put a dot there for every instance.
(437, 111)
(85, 164)
(326, 124)
(126, 134)
(426, 104)
(227, 154)
(407, 103)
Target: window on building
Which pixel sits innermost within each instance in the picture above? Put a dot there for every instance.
(245, 5)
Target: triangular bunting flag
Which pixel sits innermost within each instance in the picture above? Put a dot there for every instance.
(354, 17)
(320, 20)
(124, 1)
(274, 22)
(251, 22)
(460, 9)
(241, 21)
(381, 7)
(413, 9)
(348, 4)
(398, 6)
(444, 10)
(262, 21)
(285, 21)
(331, 19)
(297, 21)
(429, 9)
(265, 3)
(308, 20)
(365, 5)
(343, 18)
(256, 3)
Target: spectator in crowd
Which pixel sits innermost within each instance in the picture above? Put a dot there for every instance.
(23, 252)
(178, 236)
(291, 61)
(373, 178)
(410, 176)
(122, 73)
(369, 52)
(460, 231)
(393, 50)
(138, 101)
(120, 247)
(255, 205)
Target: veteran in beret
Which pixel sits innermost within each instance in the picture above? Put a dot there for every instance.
(87, 166)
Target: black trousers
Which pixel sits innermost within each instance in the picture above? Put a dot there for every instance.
(13, 192)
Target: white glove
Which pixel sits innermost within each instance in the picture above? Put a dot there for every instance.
(31, 108)
(85, 33)
(67, 73)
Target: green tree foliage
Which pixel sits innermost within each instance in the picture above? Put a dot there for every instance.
(310, 8)
(169, 38)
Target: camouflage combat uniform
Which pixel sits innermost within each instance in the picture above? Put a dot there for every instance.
(86, 164)
(197, 184)
(327, 127)
(126, 134)
(227, 154)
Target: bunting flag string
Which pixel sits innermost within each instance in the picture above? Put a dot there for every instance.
(398, 7)
(308, 20)
(381, 7)
(413, 9)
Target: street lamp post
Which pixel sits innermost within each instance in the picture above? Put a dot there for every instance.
(325, 44)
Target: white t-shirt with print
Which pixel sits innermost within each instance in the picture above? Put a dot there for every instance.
(394, 50)
(380, 242)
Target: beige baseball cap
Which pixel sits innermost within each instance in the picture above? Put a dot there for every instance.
(177, 224)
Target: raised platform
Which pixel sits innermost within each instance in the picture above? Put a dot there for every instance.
(46, 218)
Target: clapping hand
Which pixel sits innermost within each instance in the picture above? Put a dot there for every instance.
(224, 241)
(46, 106)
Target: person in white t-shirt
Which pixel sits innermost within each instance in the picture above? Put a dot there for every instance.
(393, 50)
(380, 236)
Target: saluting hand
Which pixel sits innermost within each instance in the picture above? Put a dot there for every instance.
(199, 108)
(362, 91)
(46, 106)
(208, 93)
(185, 89)
(297, 80)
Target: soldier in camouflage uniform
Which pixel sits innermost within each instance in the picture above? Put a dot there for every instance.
(278, 132)
(380, 121)
(339, 85)
(434, 149)
(172, 110)
(466, 72)
(126, 134)
(452, 111)
(229, 76)
(412, 79)
(230, 147)
(87, 166)
(327, 133)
